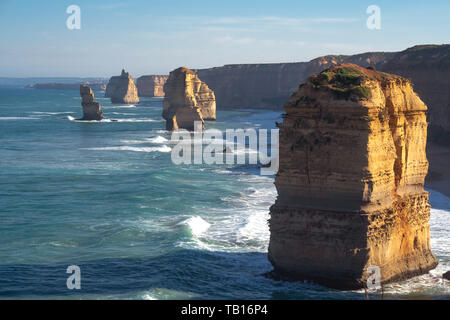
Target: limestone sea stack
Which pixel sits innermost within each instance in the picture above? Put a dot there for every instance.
(350, 181)
(91, 108)
(121, 89)
(187, 98)
(151, 86)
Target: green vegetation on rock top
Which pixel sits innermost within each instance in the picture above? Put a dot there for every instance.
(344, 82)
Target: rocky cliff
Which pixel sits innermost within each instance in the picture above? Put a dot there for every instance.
(270, 85)
(350, 181)
(121, 89)
(428, 67)
(151, 86)
(187, 98)
(91, 108)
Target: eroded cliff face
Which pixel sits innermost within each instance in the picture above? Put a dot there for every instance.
(187, 98)
(350, 181)
(269, 85)
(121, 89)
(151, 86)
(428, 67)
(91, 108)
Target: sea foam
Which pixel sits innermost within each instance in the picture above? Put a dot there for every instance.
(163, 148)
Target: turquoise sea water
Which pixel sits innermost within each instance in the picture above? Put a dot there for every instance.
(106, 196)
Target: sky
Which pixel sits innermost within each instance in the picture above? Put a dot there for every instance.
(155, 37)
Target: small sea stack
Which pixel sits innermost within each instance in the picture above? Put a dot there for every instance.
(187, 99)
(91, 108)
(350, 181)
(121, 89)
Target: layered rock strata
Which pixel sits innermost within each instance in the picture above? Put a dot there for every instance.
(187, 98)
(151, 86)
(121, 89)
(91, 108)
(350, 181)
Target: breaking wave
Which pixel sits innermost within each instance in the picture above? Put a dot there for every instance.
(197, 225)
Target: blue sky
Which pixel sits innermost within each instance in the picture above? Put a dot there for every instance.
(155, 37)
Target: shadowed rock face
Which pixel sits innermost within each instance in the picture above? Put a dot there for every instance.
(151, 86)
(428, 67)
(350, 181)
(187, 98)
(121, 89)
(91, 108)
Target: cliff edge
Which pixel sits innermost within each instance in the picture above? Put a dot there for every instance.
(350, 181)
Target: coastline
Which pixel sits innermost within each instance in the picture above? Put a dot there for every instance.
(438, 177)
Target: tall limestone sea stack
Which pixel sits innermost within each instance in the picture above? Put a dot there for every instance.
(187, 99)
(121, 89)
(91, 108)
(350, 181)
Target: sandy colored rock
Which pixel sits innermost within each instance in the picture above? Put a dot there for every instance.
(91, 108)
(121, 89)
(151, 86)
(184, 90)
(185, 118)
(350, 181)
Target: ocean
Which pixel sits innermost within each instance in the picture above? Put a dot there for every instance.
(105, 196)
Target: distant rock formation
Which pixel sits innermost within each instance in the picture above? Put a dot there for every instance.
(151, 86)
(94, 85)
(187, 98)
(121, 89)
(91, 108)
(350, 181)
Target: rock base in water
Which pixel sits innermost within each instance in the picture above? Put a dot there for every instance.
(91, 108)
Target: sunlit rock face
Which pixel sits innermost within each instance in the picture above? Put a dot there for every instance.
(121, 89)
(186, 96)
(151, 86)
(91, 108)
(350, 181)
